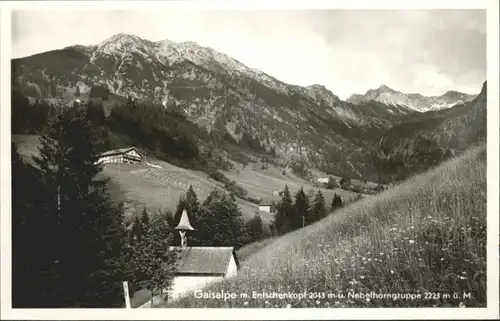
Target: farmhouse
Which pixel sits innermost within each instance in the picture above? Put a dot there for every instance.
(198, 266)
(122, 155)
(323, 180)
(267, 207)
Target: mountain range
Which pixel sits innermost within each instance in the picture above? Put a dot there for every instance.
(389, 96)
(224, 96)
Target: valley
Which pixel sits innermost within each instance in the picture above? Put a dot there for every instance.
(410, 169)
(159, 189)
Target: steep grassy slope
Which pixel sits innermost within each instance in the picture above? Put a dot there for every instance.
(244, 252)
(160, 188)
(427, 235)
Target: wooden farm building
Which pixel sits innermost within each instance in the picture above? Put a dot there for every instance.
(122, 155)
(267, 207)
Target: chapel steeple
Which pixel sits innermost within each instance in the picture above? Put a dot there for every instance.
(184, 226)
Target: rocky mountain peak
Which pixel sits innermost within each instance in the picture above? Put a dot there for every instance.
(355, 99)
(317, 87)
(389, 96)
(120, 38)
(321, 92)
(122, 42)
(373, 94)
(452, 94)
(385, 88)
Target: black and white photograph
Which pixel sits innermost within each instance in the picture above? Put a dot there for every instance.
(294, 158)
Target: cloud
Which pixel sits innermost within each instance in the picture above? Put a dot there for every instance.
(348, 51)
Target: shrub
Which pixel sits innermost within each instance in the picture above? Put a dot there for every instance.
(345, 183)
(234, 188)
(332, 183)
(218, 176)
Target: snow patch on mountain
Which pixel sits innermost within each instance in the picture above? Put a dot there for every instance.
(417, 102)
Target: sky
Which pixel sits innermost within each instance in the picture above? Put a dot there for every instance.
(347, 51)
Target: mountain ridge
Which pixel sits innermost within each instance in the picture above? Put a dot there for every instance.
(220, 94)
(416, 101)
(185, 50)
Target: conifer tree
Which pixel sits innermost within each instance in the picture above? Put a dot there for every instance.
(301, 210)
(220, 222)
(95, 113)
(89, 259)
(255, 228)
(345, 183)
(188, 202)
(181, 206)
(284, 213)
(35, 279)
(153, 258)
(145, 217)
(140, 223)
(318, 210)
(137, 230)
(169, 217)
(336, 202)
(192, 204)
(21, 276)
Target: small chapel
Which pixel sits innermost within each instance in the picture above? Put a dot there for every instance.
(198, 266)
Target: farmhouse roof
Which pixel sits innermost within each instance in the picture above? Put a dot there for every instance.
(120, 151)
(204, 260)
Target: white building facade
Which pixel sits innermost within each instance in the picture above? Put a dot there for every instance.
(185, 283)
(123, 155)
(323, 180)
(198, 267)
(268, 208)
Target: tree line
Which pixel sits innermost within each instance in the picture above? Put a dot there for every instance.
(68, 239)
(30, 117)
(292, 215)
(217, 221)
(165, 134)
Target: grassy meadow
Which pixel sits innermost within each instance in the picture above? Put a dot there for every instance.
(244, 252)
(425, 237)
(160, 188)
